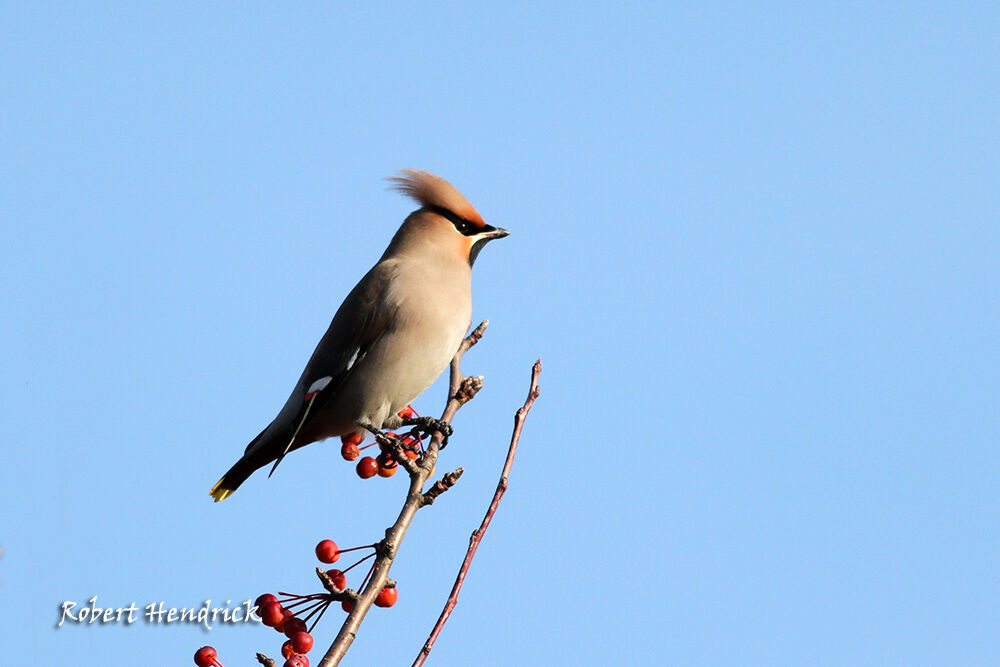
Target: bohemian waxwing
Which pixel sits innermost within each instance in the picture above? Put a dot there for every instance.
(393, 335)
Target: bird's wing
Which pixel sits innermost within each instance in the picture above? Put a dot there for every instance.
(361, 320)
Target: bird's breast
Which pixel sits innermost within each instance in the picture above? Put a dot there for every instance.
(431, 310)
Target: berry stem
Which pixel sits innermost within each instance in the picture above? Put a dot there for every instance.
(321, 604)
(370, 570)
(365, 546)
(358, 563)
(305, 601)
(321, 612)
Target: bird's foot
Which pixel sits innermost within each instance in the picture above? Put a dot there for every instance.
(403, 450)
(429, 426)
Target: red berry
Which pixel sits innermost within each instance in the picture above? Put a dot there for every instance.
(271, 613)
(285, 617)
(347, 605)
(327, 551)
(408, 412)
(264, 599)
(387, 597)
(339, 578)
(386, 464)
(294, 626)
(205, 657)
(302, 642)
(287, 651)
(367, 467)
(297, 661)
(350, 451)
(353, 438)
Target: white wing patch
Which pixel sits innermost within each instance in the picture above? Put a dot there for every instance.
(319, 385)
(316, 387)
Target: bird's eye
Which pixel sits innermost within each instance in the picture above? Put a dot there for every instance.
(462, 226)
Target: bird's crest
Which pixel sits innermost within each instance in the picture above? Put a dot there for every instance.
(433, 191)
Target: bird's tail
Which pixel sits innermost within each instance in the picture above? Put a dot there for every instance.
(232, 479)
(252, 459)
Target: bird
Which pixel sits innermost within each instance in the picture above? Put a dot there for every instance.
(393, 335)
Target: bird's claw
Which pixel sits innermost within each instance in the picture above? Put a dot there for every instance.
(430, 425)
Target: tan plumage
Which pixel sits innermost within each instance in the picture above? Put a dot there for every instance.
(393, 335)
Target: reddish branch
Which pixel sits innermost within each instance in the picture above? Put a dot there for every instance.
(477, 535)
(461, 390)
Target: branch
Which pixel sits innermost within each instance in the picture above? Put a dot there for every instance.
(461, 390)
(477, 535)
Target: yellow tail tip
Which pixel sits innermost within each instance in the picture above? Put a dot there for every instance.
(219, 492)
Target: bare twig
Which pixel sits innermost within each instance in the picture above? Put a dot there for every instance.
(331, 586)
(477, 535)
(264, 660)
(461, 390)
(442, 485)
(327, 581)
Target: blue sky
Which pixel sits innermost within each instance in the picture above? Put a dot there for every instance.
(755, 247)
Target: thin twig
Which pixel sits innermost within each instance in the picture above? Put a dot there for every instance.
(442, 485)
(331, 586)
(477, 535)
(461, 390)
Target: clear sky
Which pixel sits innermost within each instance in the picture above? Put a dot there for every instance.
(755, 245)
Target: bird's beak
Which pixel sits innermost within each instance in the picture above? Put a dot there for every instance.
(482, 238)
(497, 233)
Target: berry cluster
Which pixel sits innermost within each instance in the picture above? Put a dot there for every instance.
(385, 464)
(299, 642)
(291, 613)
